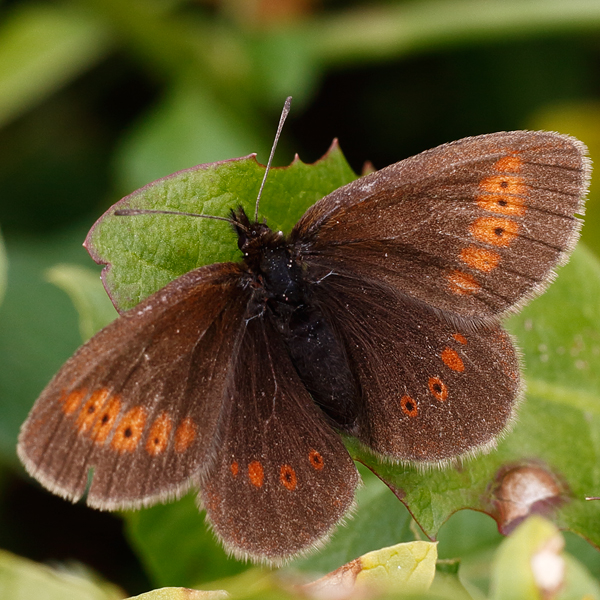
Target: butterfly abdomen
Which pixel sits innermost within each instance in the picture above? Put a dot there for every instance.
(282, 295)
(321, 362)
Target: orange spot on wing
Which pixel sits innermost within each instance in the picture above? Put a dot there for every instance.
(495, 231)
(508, 164)
(129, 430)
(462, 284)
(453, 360)
(256, 474)
(316, 460)
(438, 388)
(480, 258)
(106, 420)
(71, 402)
(409, 406)
(503, 204)
(460, 338)
(287, 476)
(235, 468)
(185, 434)
(504, 184)
(89, 411)
(158, 438)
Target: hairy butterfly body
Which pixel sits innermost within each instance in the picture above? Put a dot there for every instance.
(377, 317)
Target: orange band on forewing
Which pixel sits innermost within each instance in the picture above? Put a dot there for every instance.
(480, 259)
(504, 184)
(462, 284)
(509, 164)
(495, 231)
(502, 204)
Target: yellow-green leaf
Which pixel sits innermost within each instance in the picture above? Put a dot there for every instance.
(22, 579)
(180, 593)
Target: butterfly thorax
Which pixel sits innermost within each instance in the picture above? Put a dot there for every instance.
(269, 259)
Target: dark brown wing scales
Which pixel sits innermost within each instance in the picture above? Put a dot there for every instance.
(473, 227)
(430, 390)
(281, 478)
(130, 402)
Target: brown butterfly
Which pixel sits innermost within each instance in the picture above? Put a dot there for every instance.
(377, 317)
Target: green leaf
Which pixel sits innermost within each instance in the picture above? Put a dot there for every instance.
(447, 585)
(179, 593)
(175, 545)
(187, 127)
(3, 269)
(531, 564)
(396, 29)
(22, 579)
(38, 327)
(472, 537)
(85, 289)
(555, 446)
(284, 64)
(407, 568)
(43, 47)
(146, 252)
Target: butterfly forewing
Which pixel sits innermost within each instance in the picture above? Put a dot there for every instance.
(281, 478)
(139, 402)
(473, 227)
(430, 390)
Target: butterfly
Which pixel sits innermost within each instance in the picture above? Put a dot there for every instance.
(377, 317)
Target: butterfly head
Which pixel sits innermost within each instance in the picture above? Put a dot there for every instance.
(254, 237)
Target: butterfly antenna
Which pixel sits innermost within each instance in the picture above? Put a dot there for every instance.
(128, 212)
(284, 114)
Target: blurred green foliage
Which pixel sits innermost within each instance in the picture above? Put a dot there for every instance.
(99, 97)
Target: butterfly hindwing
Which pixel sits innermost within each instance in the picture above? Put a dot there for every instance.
(281, 478)
(473, 227)
(139, 402)
(431, 390)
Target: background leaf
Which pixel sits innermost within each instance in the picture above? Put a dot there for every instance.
(41, 48)
(22, 579)
(85, 289)
(531, 563)
(3, 268)
(38, 328)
